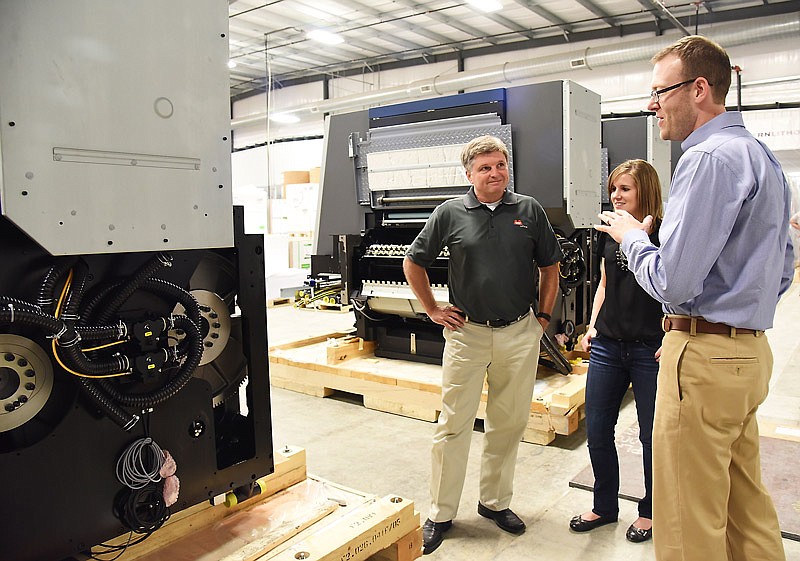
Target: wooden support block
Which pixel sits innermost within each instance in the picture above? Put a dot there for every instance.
(364, 531)
(535, 436)
(299, 387)
(343, 349)
(407, 548)
(539, 405)
(556, 409)
(540, 422)
(290, 468)
(570, 395)
(404, 408)
(561, 424)
(567, 424)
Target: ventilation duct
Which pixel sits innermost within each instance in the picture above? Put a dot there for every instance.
(728, 35)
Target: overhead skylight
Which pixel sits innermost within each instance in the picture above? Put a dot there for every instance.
(326, 37)
(486, 5)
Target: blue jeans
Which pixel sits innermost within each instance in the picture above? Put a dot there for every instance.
(613, 365)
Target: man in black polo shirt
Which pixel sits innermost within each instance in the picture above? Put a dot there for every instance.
(496, 240)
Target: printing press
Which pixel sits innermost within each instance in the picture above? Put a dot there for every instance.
(386, 169)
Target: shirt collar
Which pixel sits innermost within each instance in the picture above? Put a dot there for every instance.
(715, 125)
(471, 201)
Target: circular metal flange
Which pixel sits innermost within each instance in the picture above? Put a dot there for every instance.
(215, 324)
(26, 380)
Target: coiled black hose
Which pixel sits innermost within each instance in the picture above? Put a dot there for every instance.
(147, 270)
(87, 309)
(116, 332)
(73, 355)
(46, 297)
(75, 294)
(166, 288)
(150, 399)
(104, 394)
(20, 304)
(10, 313)
(54, 326)
(106, 405)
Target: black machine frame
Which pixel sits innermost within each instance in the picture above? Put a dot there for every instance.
(61, 493)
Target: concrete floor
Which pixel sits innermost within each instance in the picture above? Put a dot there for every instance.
(384, 454)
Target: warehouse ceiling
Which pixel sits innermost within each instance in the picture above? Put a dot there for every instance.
(269, 38)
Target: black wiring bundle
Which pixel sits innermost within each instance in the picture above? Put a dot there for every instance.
(91, 342)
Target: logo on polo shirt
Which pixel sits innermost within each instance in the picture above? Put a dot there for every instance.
(519, 223)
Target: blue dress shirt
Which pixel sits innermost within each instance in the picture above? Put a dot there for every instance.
(725, 249)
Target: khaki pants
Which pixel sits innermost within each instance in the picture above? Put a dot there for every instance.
(507, 358)
(708, 500)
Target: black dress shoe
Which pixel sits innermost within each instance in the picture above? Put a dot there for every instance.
(578, 524)
(638, 535)
(505, 519)
(433, 534)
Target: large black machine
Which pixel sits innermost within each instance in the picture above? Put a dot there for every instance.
(133, 344)
(387, 168)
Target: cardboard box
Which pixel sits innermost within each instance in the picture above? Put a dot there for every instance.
(292, 177)
(300, 252)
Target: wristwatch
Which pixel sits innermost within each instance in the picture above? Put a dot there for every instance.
(544, 315)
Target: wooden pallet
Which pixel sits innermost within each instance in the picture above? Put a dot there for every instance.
(282, 301)
(300, 517)
(322, 365)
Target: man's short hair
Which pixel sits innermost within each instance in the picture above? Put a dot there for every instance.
(702, 57)
(481, 145)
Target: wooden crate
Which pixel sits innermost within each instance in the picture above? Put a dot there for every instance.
(299, 517)
(320, 366)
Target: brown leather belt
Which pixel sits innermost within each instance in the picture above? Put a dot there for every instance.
(673, 323)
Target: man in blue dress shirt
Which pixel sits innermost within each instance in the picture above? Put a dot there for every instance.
(724, 261)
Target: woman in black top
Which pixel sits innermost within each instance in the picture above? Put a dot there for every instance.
(624, 336)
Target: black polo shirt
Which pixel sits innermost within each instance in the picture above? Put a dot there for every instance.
(628, 312)
(493, 254)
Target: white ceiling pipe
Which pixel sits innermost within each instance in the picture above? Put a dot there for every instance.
(660, 7)
(729, 35)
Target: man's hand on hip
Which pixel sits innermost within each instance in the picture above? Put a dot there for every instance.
(449, 316)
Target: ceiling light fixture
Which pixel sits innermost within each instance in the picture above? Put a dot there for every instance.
(231, 64)
(486, 5)
(284, 118)
(326, 37)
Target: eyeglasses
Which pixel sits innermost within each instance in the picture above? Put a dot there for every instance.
(654, 95)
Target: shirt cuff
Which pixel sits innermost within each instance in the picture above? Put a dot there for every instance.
(633, 237)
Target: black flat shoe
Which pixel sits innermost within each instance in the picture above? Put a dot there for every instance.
(578, 524)
(433, 534)
(505, 519)
(637, 535)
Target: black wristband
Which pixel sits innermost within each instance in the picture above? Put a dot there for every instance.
(544, 315)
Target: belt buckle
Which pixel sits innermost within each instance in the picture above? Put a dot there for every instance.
(666, 324)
